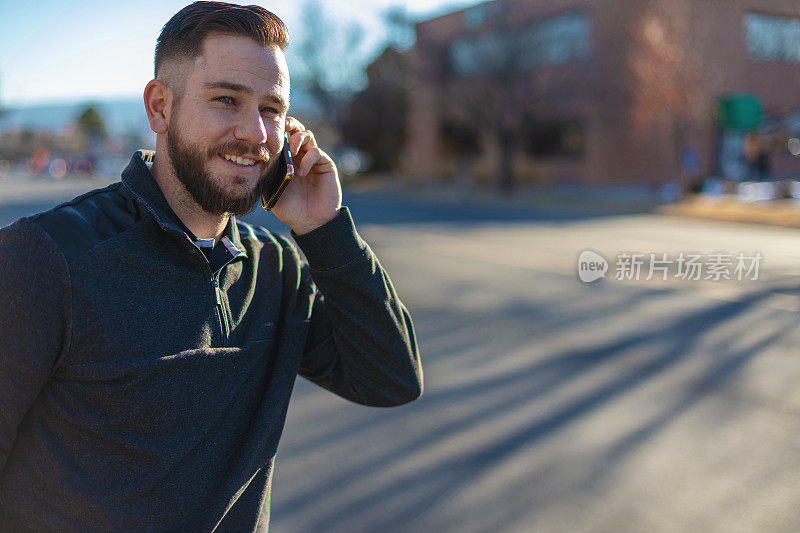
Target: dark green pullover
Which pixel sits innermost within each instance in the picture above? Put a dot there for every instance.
(140, 391)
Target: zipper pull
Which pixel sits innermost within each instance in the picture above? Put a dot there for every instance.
(216, 291)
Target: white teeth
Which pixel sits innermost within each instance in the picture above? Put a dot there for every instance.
(240, 160)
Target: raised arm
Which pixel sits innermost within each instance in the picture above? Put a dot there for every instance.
(361, 342)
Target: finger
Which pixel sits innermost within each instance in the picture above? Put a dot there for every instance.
(293, 125)
(299, 139)
(310, 158)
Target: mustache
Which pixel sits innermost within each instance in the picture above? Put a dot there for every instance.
(241, 148)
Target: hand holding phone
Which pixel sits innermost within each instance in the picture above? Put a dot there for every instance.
(314, 195)
(279, 178)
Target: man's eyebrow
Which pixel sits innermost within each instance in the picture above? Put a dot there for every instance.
(236, 87)
(239, 88)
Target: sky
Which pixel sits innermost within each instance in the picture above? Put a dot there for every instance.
(60, 50)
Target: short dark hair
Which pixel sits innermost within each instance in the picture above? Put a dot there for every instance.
(183, 35)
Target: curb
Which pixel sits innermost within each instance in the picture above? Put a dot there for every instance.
(783, 212)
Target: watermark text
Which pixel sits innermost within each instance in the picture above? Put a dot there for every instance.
(685, 266)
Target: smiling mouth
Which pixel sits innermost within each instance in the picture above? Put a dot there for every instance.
(240, 161)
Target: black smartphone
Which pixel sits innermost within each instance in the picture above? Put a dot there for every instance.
(279, 177)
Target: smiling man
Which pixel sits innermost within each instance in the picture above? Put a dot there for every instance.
(150, 340)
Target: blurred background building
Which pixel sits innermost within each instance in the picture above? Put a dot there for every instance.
(681, 94)
(605, 92)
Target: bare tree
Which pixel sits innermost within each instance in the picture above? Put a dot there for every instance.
(329, 61)
(502, 78)
(377, 114)
(670, 79)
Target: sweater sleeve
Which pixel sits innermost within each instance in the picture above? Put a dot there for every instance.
(34, 321)
(361, 342)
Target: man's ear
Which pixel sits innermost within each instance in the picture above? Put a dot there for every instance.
(158, 104)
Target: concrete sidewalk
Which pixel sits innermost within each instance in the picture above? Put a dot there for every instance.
(779, 212)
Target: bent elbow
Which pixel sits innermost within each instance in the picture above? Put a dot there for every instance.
(413, 391)
(405, 391)
(393, 393)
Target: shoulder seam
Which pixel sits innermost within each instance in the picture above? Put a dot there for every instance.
(77, 199)
(43, 227)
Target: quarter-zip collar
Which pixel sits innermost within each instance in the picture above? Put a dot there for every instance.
(140, 181)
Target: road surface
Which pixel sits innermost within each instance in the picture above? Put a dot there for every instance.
(552, 404)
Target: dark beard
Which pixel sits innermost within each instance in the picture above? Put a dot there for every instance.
(188, 164)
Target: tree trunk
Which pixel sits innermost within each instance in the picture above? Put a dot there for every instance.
(680, 133)
(507, 178)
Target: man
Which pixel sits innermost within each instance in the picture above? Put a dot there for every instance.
(150, 341)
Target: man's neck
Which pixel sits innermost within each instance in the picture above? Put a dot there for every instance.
(204, 225)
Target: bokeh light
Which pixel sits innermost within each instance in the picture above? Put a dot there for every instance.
(59, 168)
(794, 146)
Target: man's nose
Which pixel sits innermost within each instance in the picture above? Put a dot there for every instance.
(251, 128)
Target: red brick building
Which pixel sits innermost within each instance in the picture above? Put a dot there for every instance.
(607, 91)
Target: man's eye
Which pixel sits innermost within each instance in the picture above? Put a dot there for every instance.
(225, 100)
(270, 111)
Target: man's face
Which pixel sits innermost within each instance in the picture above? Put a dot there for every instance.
(227, 123)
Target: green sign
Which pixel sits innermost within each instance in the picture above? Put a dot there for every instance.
(740, 112)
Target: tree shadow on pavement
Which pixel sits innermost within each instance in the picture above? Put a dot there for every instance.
(441, 470)
(456, 338)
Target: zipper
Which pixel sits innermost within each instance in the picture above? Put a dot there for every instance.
(223, 317)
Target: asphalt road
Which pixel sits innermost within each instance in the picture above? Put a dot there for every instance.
(551, 404)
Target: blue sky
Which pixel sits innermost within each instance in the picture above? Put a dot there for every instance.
(54, 51)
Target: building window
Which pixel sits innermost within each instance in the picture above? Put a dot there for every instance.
(770, 37)
(552, 41)
(478, 55)
(558, 40)
(553, 139)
